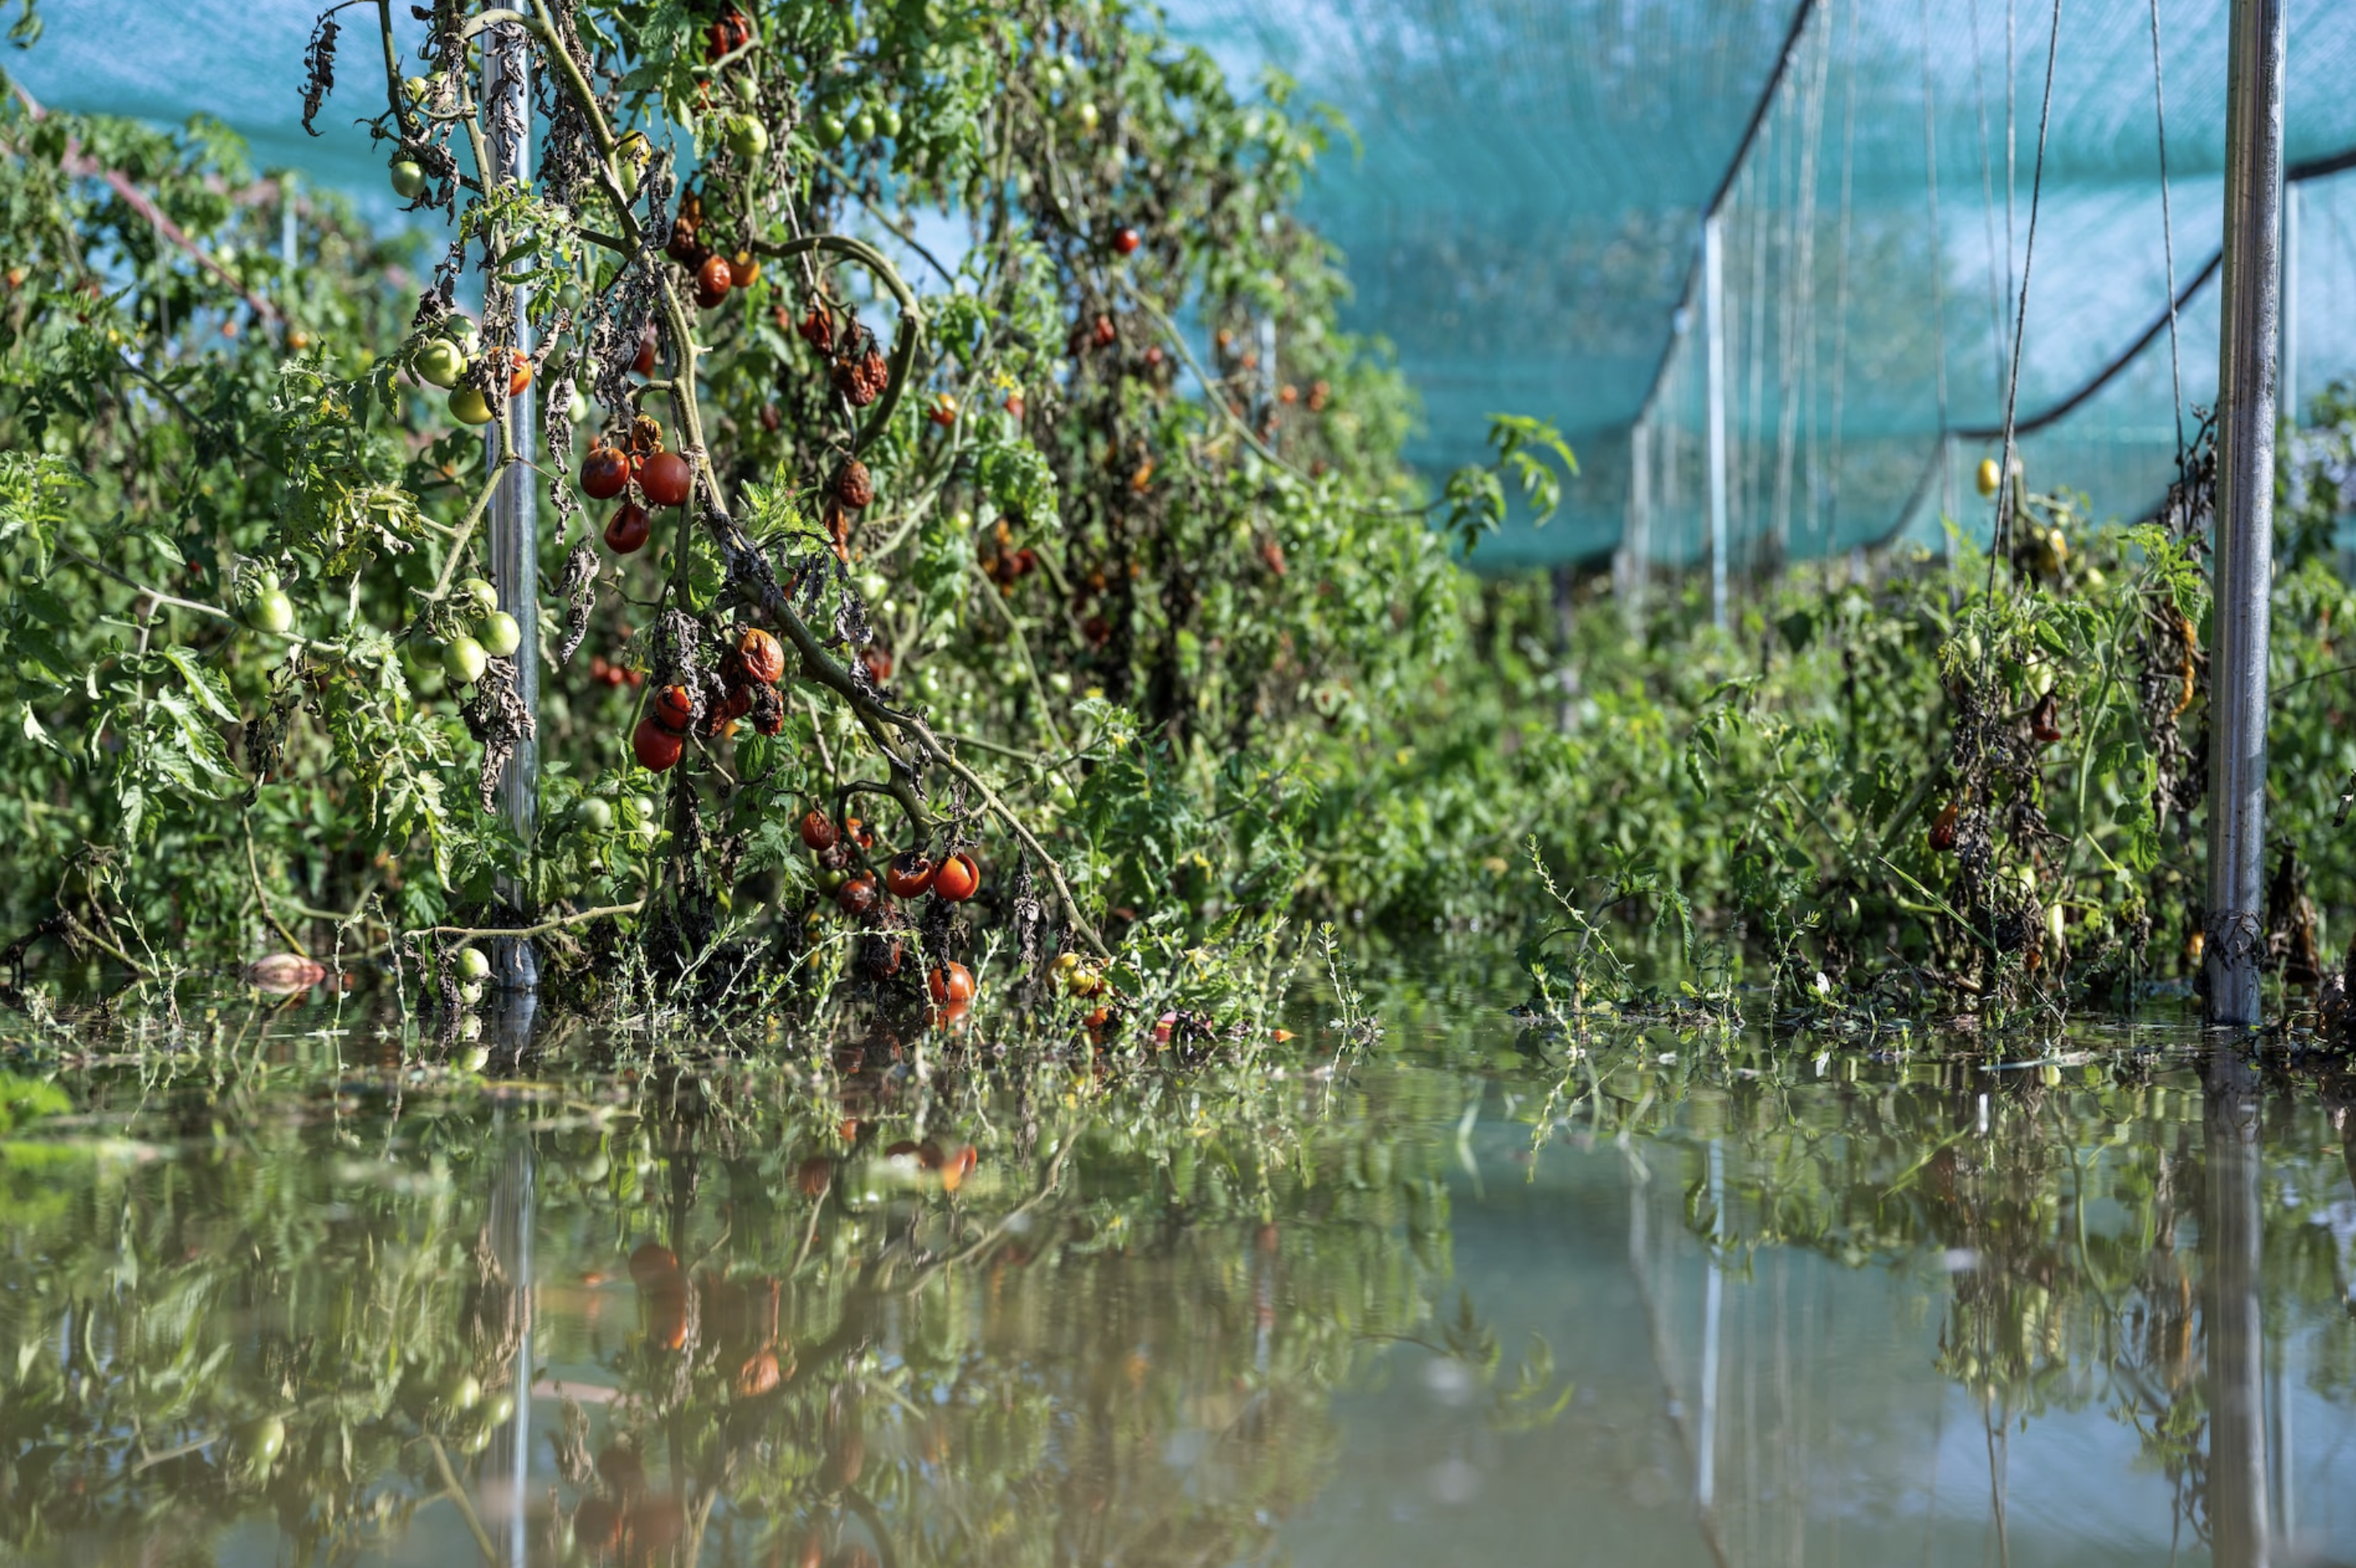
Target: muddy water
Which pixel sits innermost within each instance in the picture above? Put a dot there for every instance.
(285, 1289)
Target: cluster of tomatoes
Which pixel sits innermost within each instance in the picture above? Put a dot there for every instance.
(748, 679)
(1006, 566)
(447, 358)
(608, 673)
(662, 478)
(859, 370)
(865, 895)
(714, 274)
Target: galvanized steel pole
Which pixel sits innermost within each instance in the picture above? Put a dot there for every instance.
(1713, 334)
(2246, 526)
(515, 508)
(2292, 204)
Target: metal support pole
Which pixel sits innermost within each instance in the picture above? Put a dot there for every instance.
(1635, 549)
(2293, 202)
(1713, 309)
(515, 509)
(2245, 495)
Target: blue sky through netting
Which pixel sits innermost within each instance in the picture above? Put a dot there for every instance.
(1523, 208)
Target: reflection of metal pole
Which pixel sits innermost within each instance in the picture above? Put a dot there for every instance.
(1713, 369)
(515, 521)
(2245, 494)
(2235, 1347)
(508, 1473)
(1713, 1305)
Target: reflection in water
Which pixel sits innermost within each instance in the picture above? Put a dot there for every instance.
(1749, 1306)
(2232, 1241)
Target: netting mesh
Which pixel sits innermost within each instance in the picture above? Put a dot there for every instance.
(1525, 223)
(1522, 222)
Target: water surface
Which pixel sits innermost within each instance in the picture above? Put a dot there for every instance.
(291, 1285)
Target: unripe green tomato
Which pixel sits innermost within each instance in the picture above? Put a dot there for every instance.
(471, 992)
(473, 964)
(470, 1027)
(480, 1056)
(256, 1445)
(570, 296)
(747, 136)
(469, 406)
(439, 362)
(890, 119)
(408, 178)
(501, 635)
(578, 409)
(829, 130)
(863, 125)
(271, 610)
(595, 1169)
(417, 87)
(1053, 75)
(874, 585)
(626, 173)
(463, 1392)
(500, 1409)
(462, 330)
(481, 595)
(1088, 118)
(463, 660)
(594, 814)
(648, 822)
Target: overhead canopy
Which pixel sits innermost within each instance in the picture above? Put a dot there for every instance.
(1523, 219)
(1524, 224)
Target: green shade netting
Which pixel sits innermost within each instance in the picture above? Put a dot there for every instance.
(1522, 220)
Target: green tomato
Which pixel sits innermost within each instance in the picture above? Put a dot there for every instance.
(569, 297)
(863, 125)
(469, 406)
(501, 635)
(501, 1410)
(578, 409)
(627, 174)
(829, 130)
(473, 964)
(594, 814)
(890, 120)
(1088, 118)
(271, 610)
(255, 1444)
(463, 1392)
(439, 362)
(475, 1060)
(747, 136)
(463, 660)
(408, 179)
(1053, 75)
(417, 87)
(471, 992)
(484, 597)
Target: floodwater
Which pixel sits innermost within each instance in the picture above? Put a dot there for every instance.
(282, 1289)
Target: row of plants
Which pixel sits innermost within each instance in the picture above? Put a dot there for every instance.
(1077, 567)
